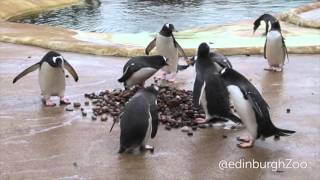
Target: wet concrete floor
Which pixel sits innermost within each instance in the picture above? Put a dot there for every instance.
(38, 142)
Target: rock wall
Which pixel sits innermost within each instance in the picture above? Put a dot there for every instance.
(15, 8)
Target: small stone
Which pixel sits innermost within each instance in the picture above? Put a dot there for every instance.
(76, 104)
(194, 128)
(202, 126)
(168, 127)
(224, 136)
(84, 114)
(82, 109)
(94, 118)
(75, 164)
(288, 110)
(104, 117)
(67, 76)
(29, 57)
(86, 103)
(190, 133)
(185, 129)
(69, 108)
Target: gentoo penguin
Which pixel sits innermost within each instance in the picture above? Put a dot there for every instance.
(51, 76)
(167, 46)
(252, 109)
(219, 59)
(138, 69)
(139, 120)
(209, 89)
(275, 50)
(267, 18)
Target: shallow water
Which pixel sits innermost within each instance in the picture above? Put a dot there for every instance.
(149, 15)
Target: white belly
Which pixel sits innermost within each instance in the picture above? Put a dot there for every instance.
(166, 48)
(204, 102)
(140, 76)
(149, 130)
(52, 80)
(274, 49)
(244, 110)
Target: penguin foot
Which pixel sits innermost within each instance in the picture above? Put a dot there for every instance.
(246, 144)
(147, 147)
(49, 103)
(244, 138)
(64, 101)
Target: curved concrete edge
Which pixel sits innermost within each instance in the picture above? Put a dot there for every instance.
(293, 17)
(11, 9)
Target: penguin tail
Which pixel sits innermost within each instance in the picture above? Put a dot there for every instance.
(121, 79)
(121, 150)
(182, 67)
(285, 132)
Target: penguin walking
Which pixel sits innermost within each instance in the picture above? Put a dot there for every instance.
(252, 109)
(51, 76)
(138, 69)
(275, 50)
(167, 46)
(209, 89)
(139, 120)
(267, 18)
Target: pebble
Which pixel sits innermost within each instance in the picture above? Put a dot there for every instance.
(67, 76)
(168, 127)
(190, 133)
(224, 136)
(94, 118)
(185, 129)
(194, 128)
(288, 110)
(104, 117)
(202, 126)
(69, 108)
(84, 114)
(76, 104)
(86, 103)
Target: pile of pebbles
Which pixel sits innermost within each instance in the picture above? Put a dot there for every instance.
(175, 107)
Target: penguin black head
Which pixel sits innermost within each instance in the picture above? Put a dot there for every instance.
(256, 24)
(53, 58)
(203, 50)
(275, 26)
(167, 30)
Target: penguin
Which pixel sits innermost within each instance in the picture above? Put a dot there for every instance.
(167, 46)
(275, 50)
(138, 69)
(252, 109)
(267, 18)
(219, 59)
(139, 120)
(209, 89)
(51, 76)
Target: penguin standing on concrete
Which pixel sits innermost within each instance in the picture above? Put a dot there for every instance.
(51, 76)
(138, 69)
(167, 46)
(267, 18)
(209, 89)
(275, 50)
(251, 108)
(139, 120)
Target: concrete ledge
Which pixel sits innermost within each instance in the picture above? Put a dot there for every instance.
(11, 9)
(294, 15)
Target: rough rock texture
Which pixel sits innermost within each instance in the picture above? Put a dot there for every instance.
(15, 8)
(296, 16)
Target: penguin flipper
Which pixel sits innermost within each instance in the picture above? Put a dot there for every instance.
(71, 70)
(179, 48)
(128, 71)
(285, 49)
(150, 46)
(265, 49)
(155, 120)
(197, 88)
(26, 71)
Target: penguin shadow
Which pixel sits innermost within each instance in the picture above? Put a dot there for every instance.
(272, 84)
